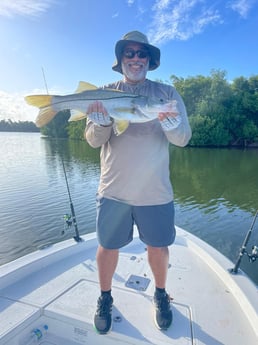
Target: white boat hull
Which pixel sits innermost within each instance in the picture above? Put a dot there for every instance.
(58, 287)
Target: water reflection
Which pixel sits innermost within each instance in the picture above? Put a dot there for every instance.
(216, 197)
(81, 164)
(72, 150)
(215, 193)
(211, 176)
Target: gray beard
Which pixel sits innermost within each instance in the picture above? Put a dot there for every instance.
(135, 76)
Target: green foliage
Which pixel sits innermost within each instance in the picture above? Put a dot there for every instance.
(220, 113)
(76, 130)
(58, 127)
(208, 132)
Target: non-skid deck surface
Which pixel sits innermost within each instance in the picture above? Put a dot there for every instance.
(64, 293)
(132, 314)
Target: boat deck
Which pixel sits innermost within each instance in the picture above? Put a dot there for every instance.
(58, 287)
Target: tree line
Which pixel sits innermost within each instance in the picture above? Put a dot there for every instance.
(222, 113)
(20, 126)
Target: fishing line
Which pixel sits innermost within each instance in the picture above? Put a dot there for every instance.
(68, 219)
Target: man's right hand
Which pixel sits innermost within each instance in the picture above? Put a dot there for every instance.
(98, 114)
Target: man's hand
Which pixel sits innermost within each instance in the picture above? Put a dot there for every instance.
(98, 114)
(170, 118)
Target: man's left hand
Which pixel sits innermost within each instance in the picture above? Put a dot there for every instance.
(171, 118)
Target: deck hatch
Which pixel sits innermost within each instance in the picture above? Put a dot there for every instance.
(137, 283)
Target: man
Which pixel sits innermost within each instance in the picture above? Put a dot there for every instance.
(134, 183)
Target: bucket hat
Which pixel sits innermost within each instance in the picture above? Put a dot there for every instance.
(136, 37)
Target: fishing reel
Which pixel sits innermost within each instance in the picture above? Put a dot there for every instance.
(68, 222)
(254, 254)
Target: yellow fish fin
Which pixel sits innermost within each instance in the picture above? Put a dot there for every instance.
(120, 126)
(39, 101)
(84, 86)
(77, 115)
(45, 116)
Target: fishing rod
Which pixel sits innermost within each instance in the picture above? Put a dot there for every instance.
(254, 254)
(77, 235)
(67, 218)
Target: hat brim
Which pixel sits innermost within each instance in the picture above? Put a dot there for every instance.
(154, 55)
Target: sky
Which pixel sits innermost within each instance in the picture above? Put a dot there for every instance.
(53, 44)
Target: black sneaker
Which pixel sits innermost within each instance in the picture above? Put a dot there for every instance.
(163, 313)
(103, 316)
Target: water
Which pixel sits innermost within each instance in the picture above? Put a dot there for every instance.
(215, 194)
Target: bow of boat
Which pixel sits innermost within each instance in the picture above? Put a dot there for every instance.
(55, 290)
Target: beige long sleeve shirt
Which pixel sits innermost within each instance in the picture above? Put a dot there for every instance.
(135, 164)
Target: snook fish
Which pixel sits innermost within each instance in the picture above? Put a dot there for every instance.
(123, 107)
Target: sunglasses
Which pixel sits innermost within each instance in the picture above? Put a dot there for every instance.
(130, 54)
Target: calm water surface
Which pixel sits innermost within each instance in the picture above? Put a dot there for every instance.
(216, 194)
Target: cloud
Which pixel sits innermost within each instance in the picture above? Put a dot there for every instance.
(13, 107)
(115, 15)
(242, 7)
(182, 19)
(23, 7)
(130, 2)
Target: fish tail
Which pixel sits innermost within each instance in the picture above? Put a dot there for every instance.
(45, 116)
(39, 101)
(47, 113)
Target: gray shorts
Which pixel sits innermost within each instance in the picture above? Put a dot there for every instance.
(115, 222)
